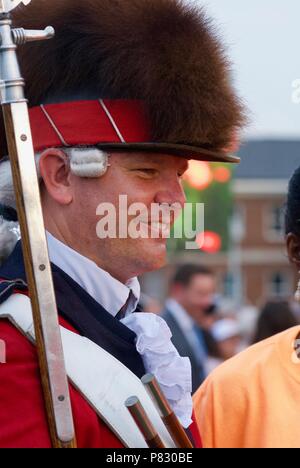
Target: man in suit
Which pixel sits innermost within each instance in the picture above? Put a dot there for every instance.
(188, 312)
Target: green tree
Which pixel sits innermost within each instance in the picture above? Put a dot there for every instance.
(218, 203)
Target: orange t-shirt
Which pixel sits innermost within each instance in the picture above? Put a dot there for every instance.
(253, 400)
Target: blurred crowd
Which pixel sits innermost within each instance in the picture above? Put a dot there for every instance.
(209, 330)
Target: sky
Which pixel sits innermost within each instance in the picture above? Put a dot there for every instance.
(263, 39)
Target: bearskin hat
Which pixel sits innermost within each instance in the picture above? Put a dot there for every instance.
(165, 54)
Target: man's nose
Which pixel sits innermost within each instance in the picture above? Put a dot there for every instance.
(173, 194)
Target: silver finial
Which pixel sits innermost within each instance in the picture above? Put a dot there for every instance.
(21, 35)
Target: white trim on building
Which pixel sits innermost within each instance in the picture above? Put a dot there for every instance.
(254, 188)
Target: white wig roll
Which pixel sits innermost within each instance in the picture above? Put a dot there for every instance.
(88, 162)
(84, 162)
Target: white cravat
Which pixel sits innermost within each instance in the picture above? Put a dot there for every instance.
(106, 290)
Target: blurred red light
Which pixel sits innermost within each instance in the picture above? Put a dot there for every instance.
(209, 242)
(222, 174)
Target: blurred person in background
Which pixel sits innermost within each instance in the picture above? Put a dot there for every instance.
(252, 400)
(227, 338)
(275, 317)
(190, 312)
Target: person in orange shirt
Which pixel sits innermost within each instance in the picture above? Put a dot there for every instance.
(253, 399)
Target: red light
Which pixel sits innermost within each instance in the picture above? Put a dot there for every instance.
(222, 174)
(209, 242)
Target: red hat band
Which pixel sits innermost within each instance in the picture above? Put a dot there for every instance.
(89, 123)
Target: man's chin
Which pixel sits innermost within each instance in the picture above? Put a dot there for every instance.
(154, 255)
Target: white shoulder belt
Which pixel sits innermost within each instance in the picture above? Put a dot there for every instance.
(103, 380)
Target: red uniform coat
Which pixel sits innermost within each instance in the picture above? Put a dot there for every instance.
(23, 422)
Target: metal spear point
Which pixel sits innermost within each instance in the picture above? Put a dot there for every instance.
(34, 244)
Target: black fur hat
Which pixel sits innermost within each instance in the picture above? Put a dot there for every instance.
(164, 52)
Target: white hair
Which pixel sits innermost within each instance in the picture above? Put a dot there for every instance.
(84, 162)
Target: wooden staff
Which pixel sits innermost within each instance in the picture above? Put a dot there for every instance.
(34, 244)
(141, 419)
(168, 416)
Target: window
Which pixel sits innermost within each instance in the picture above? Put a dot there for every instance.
(228, 285)
(238, 223)
(275, 222)
(233, 286)
(279, 284)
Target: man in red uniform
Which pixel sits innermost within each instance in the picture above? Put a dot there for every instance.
(124, 95)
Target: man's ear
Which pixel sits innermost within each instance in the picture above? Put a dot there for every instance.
(293, 249)
(55, 172)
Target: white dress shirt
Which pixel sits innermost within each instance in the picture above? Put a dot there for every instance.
(106, 290)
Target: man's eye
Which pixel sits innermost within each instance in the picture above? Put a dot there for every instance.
(147, 171)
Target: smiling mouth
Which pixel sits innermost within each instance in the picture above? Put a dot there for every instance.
(157, 229)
